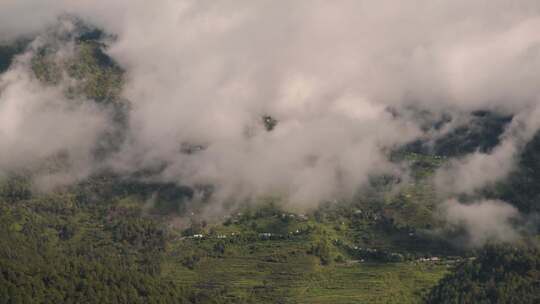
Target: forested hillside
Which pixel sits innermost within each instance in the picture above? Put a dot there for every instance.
(500, 274)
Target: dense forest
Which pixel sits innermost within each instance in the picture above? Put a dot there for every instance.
(57, 249)
(499, 274)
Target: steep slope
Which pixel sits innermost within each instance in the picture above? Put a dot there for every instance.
(500, 274)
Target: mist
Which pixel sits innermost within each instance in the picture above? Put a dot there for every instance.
(483, 221)
(203, 73)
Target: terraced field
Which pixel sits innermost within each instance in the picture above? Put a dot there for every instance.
(282, 272)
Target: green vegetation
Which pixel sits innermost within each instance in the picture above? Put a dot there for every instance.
(79, 245)
(53, 249)
(97, 76)
(500, 274)
(284, 272)
(269, 122)
(100, 77)
(99, 247)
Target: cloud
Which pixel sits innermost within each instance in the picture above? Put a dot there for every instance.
(483, 221)
(41, 129)
(203, 73)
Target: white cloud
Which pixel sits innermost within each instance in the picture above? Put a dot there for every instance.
(483, 221)
(204, 72)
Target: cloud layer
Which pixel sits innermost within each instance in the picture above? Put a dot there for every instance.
(203, 73)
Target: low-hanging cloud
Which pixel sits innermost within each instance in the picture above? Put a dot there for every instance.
(203, 73)
(477, 170)
(39, 124)
(483, 221)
